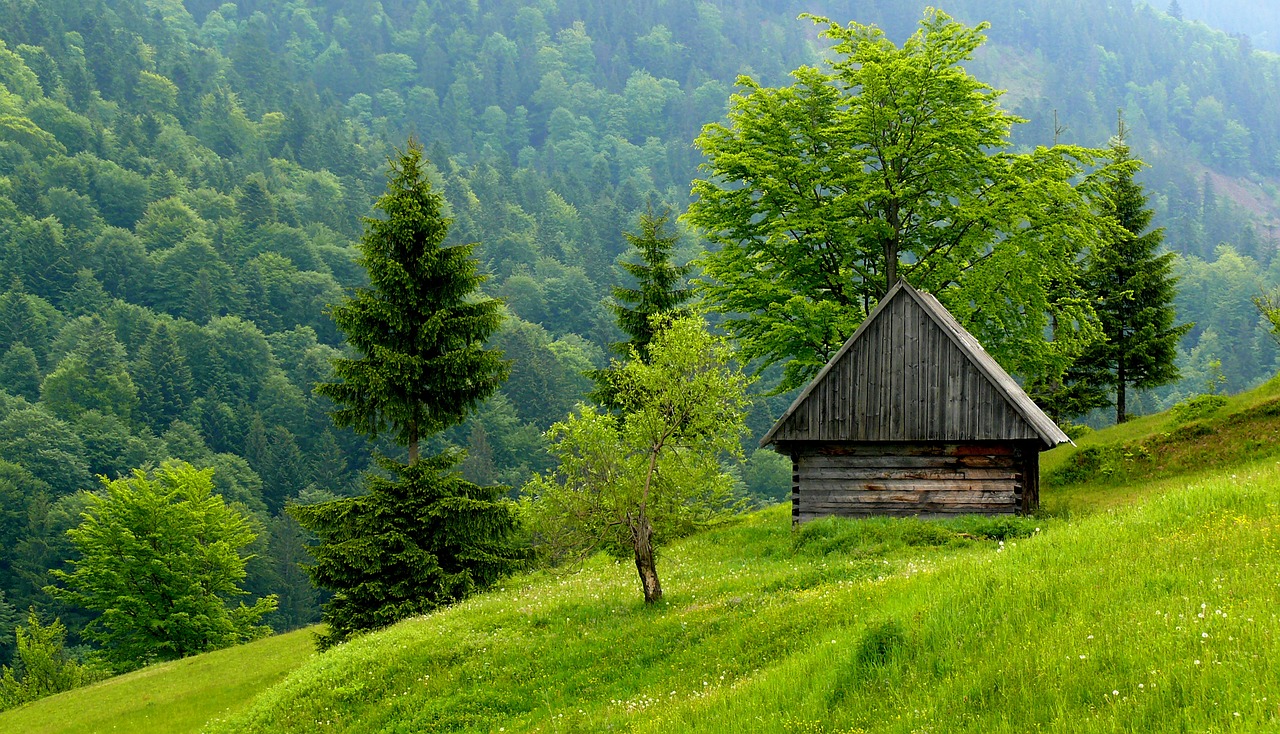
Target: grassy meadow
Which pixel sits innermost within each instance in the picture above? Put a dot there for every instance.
(168, 698)
(1144, 598)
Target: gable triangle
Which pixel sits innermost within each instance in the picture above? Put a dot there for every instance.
(910, 372)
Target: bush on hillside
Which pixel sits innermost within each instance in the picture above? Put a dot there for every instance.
(1200, 406)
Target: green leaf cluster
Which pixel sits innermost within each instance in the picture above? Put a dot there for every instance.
(629, 482)
(893, 164)
(160, 561)
(42, 665)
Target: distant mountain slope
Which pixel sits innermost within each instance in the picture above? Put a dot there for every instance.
(1258, 19)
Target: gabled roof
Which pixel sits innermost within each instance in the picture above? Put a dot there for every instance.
(911, 372)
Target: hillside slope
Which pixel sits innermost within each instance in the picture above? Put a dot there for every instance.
(1144, 600)
(167, 698)
(1154, 618)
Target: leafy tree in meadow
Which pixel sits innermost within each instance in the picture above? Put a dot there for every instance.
(160, 560)
(894, 164)
(1134, 288)
(42, 665)
(627, 482)
(422, 536)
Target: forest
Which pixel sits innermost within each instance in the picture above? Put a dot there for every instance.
(183, 186)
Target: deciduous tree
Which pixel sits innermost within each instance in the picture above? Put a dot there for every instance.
(160, 561)
(893, 164)
(626, 482)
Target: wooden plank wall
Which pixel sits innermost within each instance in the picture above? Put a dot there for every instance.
(930, 480)
(904, 380)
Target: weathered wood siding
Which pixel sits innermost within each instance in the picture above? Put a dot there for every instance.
(930, 480)
(904, 379)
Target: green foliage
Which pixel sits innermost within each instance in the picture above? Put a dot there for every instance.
(19, 372)
(1201, 406)
(1133, 289)
(658, 282)
(767, 476)
(418, 327)
(159, 563)
(42, 665)
(627, 482)
(93, 375)
(419, 539)
(166, 385)
(820, 195)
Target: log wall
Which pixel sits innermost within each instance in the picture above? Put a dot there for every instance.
(920, 479)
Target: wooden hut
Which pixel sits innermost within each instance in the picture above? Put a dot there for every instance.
(912, 417)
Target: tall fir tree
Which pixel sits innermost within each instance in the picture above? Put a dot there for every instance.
(421, 536)
(658, 284)
(419, 326)
(658, 290)
(163, 378)
(1134, 288)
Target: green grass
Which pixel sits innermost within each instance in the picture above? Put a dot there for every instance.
(181, 696)
(1124, 463)
(1092, 624)
(1144, 599)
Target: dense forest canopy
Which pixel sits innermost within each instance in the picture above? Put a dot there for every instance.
(182, 186)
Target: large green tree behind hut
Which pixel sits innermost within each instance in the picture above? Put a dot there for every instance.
(422, 536)
(892, 164)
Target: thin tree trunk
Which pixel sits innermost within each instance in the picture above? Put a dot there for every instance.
(1121, 416)
(413, 444)
(642, 537)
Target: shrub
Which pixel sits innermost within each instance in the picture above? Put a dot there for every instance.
(1200, 406)
(42, 666)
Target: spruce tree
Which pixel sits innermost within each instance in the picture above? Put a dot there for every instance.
(1134, 287)
(163, 377)
(657, 288)
(419, 327)
(421, 536)
(657, 291)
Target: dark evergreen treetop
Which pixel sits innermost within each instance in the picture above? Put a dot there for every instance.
(657, 288)
(420, 326)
